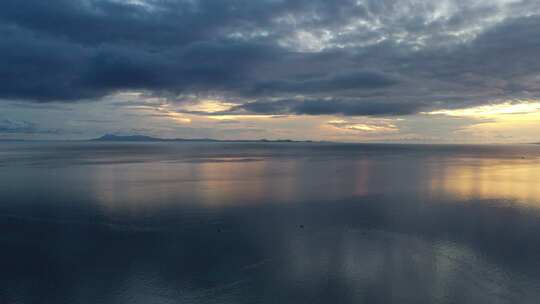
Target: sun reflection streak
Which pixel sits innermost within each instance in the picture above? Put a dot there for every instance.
(487, 179)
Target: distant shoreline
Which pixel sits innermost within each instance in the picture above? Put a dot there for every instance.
(144, 138)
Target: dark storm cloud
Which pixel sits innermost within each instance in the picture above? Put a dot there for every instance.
(329, 84)
(327, 107)
(372, 57)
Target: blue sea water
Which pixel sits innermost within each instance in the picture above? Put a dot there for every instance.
(98, 222)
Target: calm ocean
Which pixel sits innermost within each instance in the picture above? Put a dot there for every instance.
(94, 222)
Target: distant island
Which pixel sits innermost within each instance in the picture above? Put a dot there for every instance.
(144, 138)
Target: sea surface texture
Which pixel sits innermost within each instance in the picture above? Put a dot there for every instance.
(100, 223)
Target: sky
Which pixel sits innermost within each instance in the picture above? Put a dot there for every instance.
(412, 71)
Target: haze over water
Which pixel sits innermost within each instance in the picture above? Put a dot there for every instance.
(90, 222)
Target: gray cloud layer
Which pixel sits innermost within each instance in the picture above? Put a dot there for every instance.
(371, 57)
(8, 126)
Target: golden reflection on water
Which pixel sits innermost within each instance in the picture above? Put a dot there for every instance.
(209, 183)
(516, 180)
(222, 182)
(363, 169)
(225, 182)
